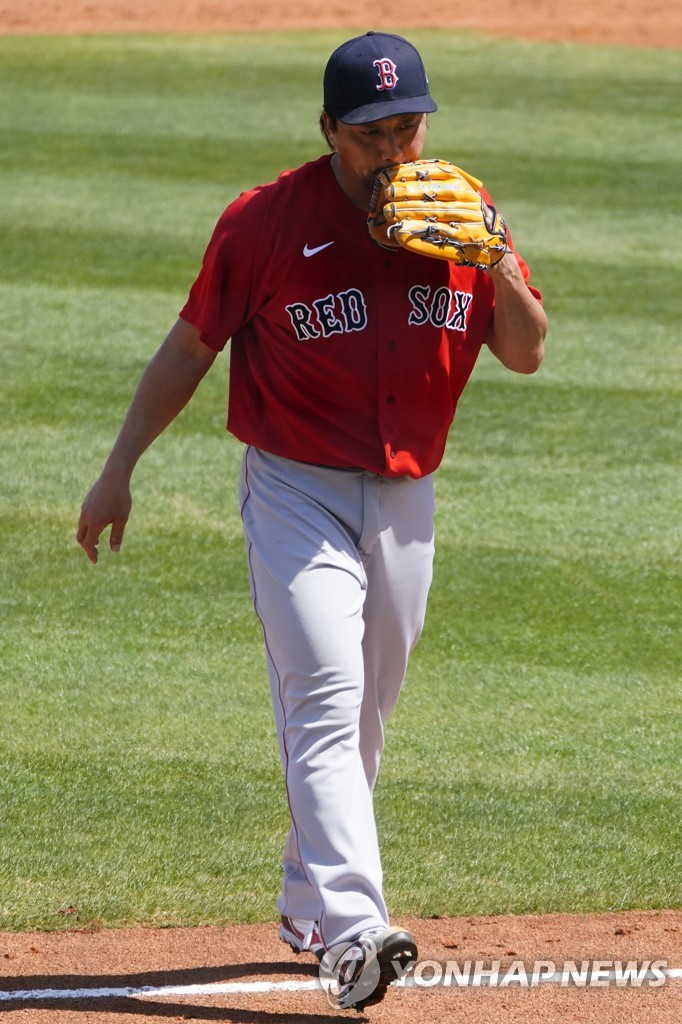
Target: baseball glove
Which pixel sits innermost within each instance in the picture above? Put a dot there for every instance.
(434, 208)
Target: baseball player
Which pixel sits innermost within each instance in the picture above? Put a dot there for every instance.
(347, 360)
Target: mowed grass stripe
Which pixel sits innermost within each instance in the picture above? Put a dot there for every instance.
(132, 155)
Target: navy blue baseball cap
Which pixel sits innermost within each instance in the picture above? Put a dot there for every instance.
(374, 76)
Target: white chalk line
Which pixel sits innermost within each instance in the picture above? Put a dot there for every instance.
(265, 987)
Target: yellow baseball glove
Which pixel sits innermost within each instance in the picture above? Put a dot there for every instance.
(433, 208)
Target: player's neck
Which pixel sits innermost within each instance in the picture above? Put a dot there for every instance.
(357, 191)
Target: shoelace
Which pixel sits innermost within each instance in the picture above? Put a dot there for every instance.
(352, 962)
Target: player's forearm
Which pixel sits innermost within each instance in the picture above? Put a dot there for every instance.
(165, 388)
(517, 336)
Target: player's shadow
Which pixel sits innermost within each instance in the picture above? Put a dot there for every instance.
(149, 1007)
(176, 1011)
(159, 979)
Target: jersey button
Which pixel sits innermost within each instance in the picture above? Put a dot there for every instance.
(392, 453)
(390, 399)
(391, 346)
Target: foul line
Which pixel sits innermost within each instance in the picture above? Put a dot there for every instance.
(149, 991)
(264, 987)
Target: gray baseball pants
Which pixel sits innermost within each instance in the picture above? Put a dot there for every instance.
(340, 565)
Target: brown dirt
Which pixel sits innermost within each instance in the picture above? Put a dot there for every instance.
(630, 22)
(185, 956)
(138, 957)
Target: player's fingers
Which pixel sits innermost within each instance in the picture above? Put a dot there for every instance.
(88, 537)
(116, 539)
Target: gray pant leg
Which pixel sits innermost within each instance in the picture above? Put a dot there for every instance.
(311, 533)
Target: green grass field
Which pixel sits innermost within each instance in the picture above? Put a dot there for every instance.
(534, 761)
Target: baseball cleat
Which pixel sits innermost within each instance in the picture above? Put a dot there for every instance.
(360, 974)
(302, 935)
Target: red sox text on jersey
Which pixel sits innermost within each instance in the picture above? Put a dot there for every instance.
(347, 311)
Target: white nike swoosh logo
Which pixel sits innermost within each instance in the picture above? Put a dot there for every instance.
(311, 252)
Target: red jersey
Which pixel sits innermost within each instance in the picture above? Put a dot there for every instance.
(343, 353)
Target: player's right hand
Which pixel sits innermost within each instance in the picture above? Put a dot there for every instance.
(107, 504)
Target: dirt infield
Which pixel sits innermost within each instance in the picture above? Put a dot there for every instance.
(242, 955)
(631, 22)
(96, 959)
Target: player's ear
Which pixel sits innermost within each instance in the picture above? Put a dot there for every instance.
(328, 127)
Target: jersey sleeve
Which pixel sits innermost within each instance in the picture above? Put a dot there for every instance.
(526, 273)
(226, 292)
(525, 270)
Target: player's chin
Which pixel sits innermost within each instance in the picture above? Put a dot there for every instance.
(368, 182)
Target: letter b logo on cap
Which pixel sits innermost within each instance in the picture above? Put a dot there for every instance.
(386, 69)
(362, 84)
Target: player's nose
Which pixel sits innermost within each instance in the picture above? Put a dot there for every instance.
(391, 148)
